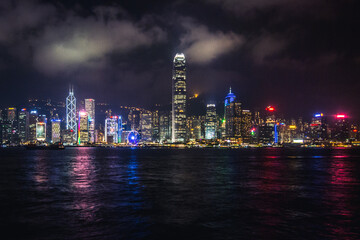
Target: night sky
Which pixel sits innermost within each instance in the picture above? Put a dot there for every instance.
(301, 56)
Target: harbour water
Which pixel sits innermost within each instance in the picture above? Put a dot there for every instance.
(98, 193)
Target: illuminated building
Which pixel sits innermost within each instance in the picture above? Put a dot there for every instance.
(113, 129)
(268, 131)
(246, 126)
(318, 128)
(71, 114)
(210, 121)
(229, 114)
(41, 131)
(55, 130)
(83, 128)
(237, 120)
(11, 114)
(164, 126)
(23, 125)
(179, 99)
(155, 126)
(195, 127)
(145, 126)
(341, 131)
(90, 109)
(33, 118)
(134, 119)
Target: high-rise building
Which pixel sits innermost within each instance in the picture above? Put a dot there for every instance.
(164, 126)
(155, 126)
(237, 120)
(33, 118)
(229, 114)
(210, 121)
(318, 128)
(83, 128)
(145, 126)
(246, 126)
(113, 129)
(55, 130)
(23, 125)
(90, 109)
(71, 114)
(341, 131)
(134, 120)
(179, 99)
(11, 114)
(41, 131)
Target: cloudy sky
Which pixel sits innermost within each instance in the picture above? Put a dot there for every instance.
(301, 56)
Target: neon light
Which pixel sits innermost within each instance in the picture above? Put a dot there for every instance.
(314, 124)
(270, 109)
(292, 126)
(319, 115)
(355, 130)
(340, 116)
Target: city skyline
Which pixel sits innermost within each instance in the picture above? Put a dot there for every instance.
(273, 53)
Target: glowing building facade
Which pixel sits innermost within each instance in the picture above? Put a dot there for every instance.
(210, 121)
(71, 114)
(55, 131)
(83, 128)
(113, 129)
(146, 126)
(90, 109)
(178, 133)
(41, 131)
(23, 125)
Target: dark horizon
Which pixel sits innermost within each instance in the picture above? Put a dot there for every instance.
(298, 56)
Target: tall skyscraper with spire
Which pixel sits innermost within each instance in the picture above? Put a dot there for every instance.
(90, 109)
(178, 125)
(71, 114)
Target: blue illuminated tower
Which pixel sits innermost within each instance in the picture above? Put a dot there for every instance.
(71, 114)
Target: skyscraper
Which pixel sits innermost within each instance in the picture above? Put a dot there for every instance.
(33, 118)
(41, 131)
(229, 114)
(145, 126)
(113, 129)
(179, 99)
(83, 135)
(90, 109)
(210, 121)
(55, 130)
(71, 114)
(23, 125)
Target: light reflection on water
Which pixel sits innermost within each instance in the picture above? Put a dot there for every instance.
(90, 193)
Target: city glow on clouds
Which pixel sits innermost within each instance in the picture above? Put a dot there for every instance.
(202, 46)
(87, 42)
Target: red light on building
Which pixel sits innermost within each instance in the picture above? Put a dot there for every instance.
(314, 125)
(270, 109)
(340, 116)
(355, 130)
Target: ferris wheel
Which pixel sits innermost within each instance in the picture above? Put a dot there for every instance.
(133, 137)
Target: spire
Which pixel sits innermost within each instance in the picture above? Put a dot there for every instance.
(230, 90)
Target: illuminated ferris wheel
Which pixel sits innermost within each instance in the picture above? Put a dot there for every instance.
(133, 137)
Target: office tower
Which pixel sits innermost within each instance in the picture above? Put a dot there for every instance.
(341, 131)
(267, 131)
(6, 127)
(229, 114)
(164, 126)
(113, 129)
(90, 109)
(11, 114)
(134, 120)
(318, 128)
(33, 118)
(237, 120)
(55, 130)
(179, 99)
(155, 126)
(83, 128)
(41, 131)
(23, 125)
(71, 114)
(210, 121)
(246, 125)
(145, 126)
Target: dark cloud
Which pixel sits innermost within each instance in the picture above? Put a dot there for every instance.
(271, 52)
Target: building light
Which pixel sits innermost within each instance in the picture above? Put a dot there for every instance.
(340, 116)
(270, 109)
